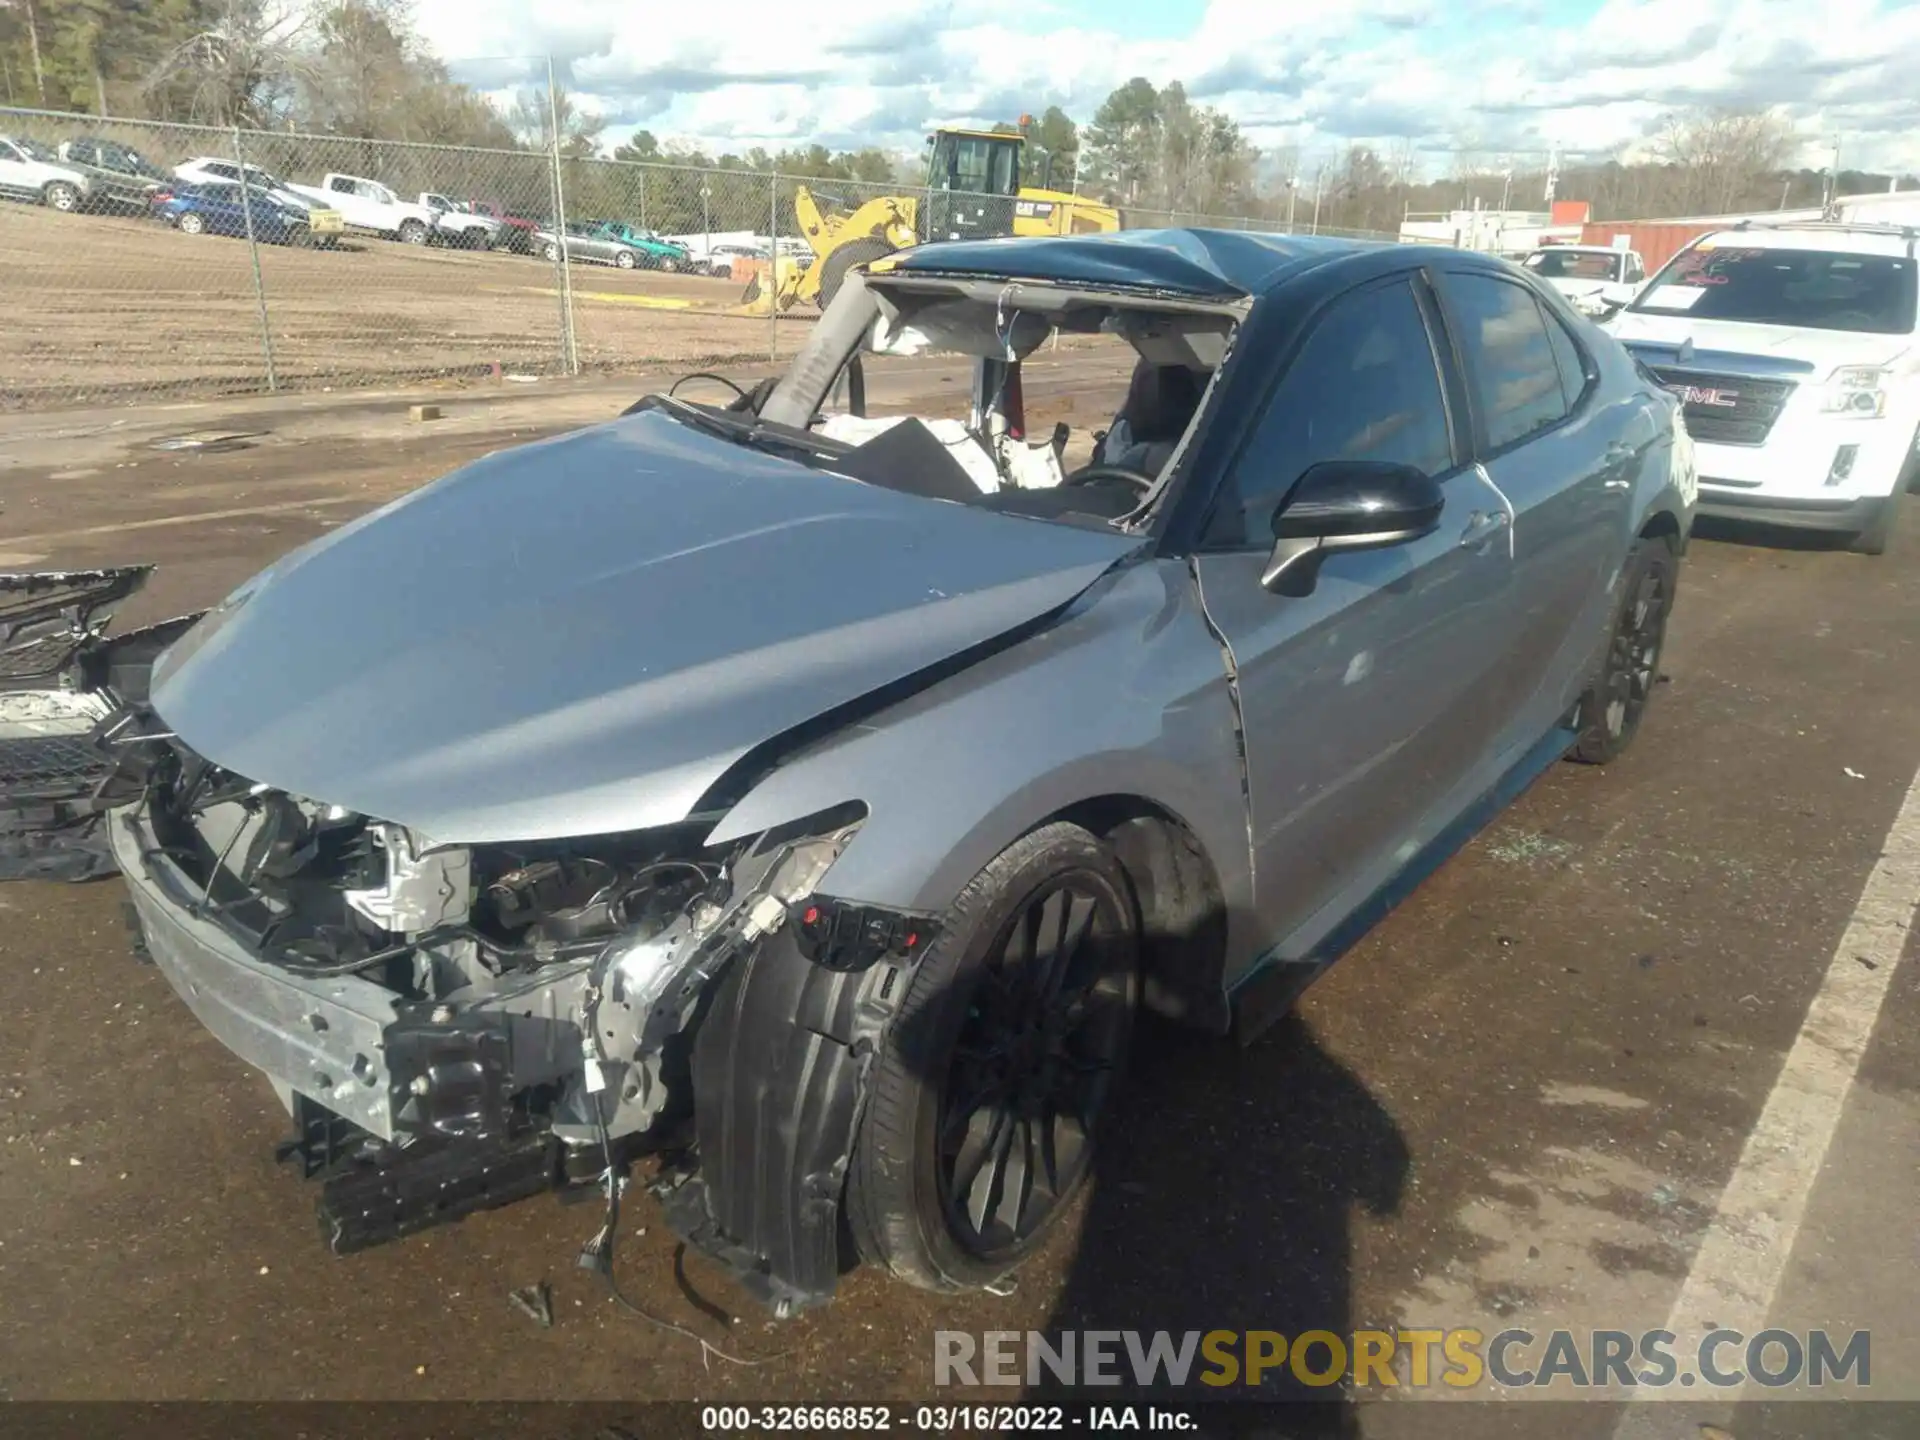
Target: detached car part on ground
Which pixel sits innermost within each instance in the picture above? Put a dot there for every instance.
(815, 814)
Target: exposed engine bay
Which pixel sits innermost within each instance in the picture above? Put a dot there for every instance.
(453, 1028)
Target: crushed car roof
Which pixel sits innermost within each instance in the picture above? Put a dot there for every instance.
(1200, 263)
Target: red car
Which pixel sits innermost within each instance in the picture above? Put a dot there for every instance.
(516, 232)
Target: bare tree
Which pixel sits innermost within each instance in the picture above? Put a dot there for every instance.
(1720, 157)
(242, 69)
(532, 120)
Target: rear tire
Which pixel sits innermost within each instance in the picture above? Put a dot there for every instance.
(550, 251)
(1610, 712)
(844, 257)
(972, 1145)
(61, 196)
(1873, 540)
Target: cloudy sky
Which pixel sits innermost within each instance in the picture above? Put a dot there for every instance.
(1488, 75)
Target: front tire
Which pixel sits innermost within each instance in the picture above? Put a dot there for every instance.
(190, 224)
(61, 196)
(550, 251)
(1610, 712)
(624, 259)
(985, 1101)
(413, 232)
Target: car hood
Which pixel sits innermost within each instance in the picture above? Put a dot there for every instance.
(1785, 347)
(1573, 286)
(581, 636)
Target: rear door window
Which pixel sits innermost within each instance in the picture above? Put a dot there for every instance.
(1575, 370)
(1509, 356)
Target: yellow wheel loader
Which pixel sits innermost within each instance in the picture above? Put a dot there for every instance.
(973, 192)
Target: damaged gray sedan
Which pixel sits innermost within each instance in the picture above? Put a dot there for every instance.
(811, 799)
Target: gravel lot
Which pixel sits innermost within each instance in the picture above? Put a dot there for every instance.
(1513, 1104)
(103, 308)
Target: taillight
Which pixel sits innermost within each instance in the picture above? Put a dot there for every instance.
(160, 197)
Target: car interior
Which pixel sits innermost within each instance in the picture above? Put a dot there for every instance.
(1087, 454)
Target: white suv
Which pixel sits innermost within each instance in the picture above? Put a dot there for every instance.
(1794, 350)
(32, 171)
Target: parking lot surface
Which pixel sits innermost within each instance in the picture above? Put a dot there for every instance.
(1517, 1102)
(103, 307)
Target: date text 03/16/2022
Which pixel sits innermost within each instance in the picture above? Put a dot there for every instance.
(943, 1419)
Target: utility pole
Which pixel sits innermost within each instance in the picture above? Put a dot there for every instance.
(1829, 196)
(1553, 174)
(1293, 195)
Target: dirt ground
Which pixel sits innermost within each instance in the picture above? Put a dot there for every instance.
(1513, 1104)
(103, 307)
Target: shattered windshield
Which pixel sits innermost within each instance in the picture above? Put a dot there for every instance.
(1807, 289)
(1071, 412)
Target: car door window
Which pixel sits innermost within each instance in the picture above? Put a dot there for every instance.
(1509, 357)
(1364, 386)
(1576, 373)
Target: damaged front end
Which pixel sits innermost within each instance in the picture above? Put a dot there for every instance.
(61, 678)
(454, 1028)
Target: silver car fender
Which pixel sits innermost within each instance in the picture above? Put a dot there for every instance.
(1127, 696)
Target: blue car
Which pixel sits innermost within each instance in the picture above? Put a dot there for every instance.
(225, 210)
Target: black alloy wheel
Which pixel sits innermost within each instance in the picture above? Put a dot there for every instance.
(1033, 1065)
(1611, 711)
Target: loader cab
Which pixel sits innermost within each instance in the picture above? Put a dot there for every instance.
(973, 178)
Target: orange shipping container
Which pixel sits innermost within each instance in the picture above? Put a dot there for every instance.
(1657, 242)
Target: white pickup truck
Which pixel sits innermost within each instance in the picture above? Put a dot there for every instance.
(369, 205)
(458, 223)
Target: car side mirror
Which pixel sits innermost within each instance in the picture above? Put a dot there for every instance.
(1619, 293)
(1342, 505)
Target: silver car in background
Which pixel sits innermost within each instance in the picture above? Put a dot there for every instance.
(798, 797)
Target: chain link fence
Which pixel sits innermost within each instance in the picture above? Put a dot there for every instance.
(148, 261)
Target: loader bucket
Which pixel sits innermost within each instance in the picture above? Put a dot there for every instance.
(769, 296)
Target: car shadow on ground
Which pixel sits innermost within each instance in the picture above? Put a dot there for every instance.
(1767, 537)
(1781, 537)
(1228, 1181)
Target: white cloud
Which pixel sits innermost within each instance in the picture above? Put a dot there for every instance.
(1482, 74)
